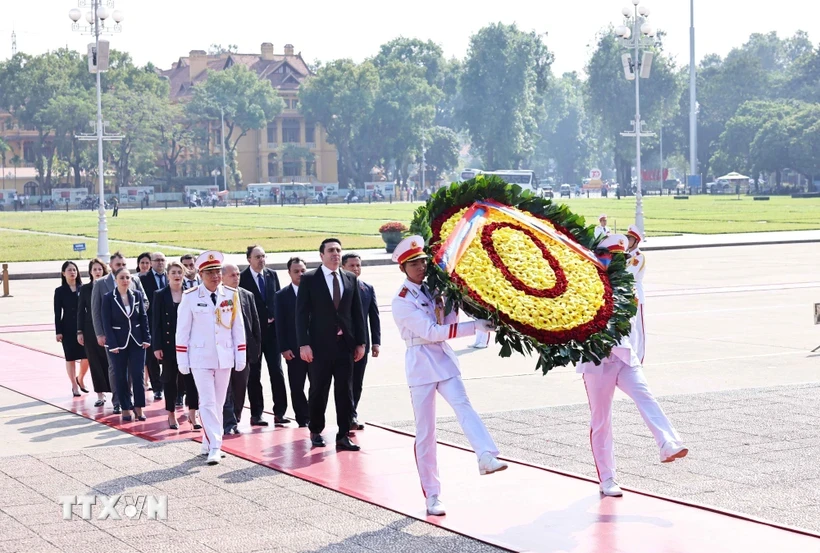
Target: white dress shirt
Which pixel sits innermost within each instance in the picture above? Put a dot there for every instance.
(256, 279)
(296, 290)
(329, 280)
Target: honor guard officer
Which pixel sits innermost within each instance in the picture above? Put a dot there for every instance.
(622, 369)
(431, 366)
(210, 341)
(636, 265)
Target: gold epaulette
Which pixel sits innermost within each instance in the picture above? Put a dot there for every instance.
(189, 290)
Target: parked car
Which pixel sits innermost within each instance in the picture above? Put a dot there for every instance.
(546, 191)
(566, 190)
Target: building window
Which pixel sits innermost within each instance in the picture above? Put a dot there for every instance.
(273, 166)
(291, 168)
(218, 138)
(30, 188)
(310, 132)
(291, 131)
(28, 152)
(310, 168)
(272, 133)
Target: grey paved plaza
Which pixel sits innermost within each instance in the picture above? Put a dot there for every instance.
(729, 339)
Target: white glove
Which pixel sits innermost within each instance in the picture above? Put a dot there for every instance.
(184, 370)
(486, 326)
(239, 368)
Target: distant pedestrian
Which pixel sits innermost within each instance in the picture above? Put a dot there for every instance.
(116, 207)
(602, 229)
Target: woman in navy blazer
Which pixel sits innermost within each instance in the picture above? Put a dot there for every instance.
(127, 336)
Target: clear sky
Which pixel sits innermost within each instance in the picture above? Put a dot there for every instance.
(162, 31)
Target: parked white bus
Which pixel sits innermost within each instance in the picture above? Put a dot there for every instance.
(524, 178)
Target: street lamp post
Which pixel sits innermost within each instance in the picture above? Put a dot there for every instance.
(693, 104)
(636, 34)
(222, 146)
(100, 11)
(215, 173)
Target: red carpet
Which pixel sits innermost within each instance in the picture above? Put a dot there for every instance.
(525, 508)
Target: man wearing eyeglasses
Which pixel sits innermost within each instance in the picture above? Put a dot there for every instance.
(263, 283)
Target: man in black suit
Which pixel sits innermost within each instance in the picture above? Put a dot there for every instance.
(263, 283)
(352, 262)
(330, 333)
(154, 280)
(286, 334)
(238, 384)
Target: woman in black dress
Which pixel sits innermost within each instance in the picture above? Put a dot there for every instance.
(97, 359)
(164, 306)
(65, 325)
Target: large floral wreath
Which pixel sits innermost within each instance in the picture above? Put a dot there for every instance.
(525, 263)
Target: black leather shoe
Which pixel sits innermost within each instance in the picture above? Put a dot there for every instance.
(303, 424)
(356, 426)
(258, 422)
(157, 395)
(234, 430)
(117, 409)
(345, 444)
(281, 420)
(316, 440)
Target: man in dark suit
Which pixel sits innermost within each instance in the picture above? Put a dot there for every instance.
(235, 398)
(330, 333)
(352, 262)
(154, 280)
(286, 334)
(263, 283)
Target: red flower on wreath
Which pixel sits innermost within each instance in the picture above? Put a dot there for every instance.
(556, 290)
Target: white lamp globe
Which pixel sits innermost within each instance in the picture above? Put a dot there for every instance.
(647, 29)
(626, 11)
(118, 16)
(103, 13)
(74, 14)
(89, 17)
(643, 10)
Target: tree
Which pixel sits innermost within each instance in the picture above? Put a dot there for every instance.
(70, 116)
(733, 148)
(341, 98)
(403, 110)
(504, 71)
(769, 150)
(564, 142)
(441, 150)
(439, 72)
(27, 85)
(217, 49)
(610, 99)
(249, 103)
(804, 149)
(176, 135)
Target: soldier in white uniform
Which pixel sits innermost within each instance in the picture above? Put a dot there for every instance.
(636, 264)
(431, 366)
(210, 341)
(622, 369)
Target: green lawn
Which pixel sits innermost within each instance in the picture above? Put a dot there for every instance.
(301, 228)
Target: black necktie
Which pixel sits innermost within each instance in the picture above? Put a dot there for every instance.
(426, 292)
(261, 280)
(213, 297)
(162, 281)
(337, 292)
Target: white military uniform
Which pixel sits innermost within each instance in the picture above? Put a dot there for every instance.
(430, 366)
(622, 369)
(210, 341)
(636, 265)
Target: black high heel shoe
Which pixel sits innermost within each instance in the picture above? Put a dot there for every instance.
(80, 386)
(75, 394)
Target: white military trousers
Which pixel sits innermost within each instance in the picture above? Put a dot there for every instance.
(212, 386)
(424, 408)
(600, 393)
